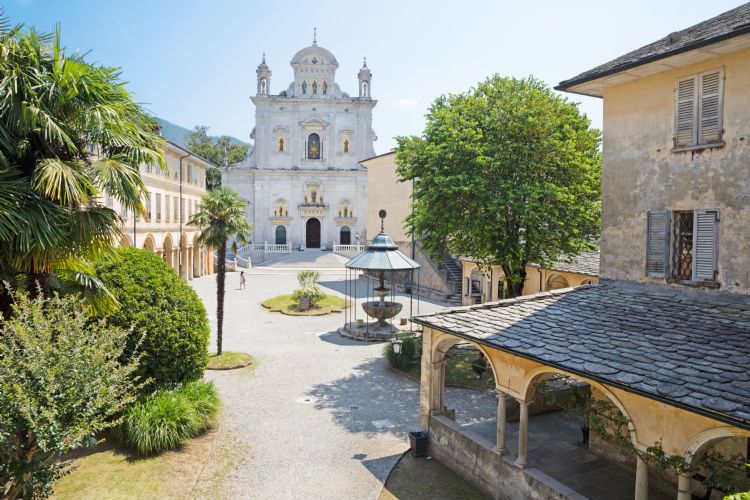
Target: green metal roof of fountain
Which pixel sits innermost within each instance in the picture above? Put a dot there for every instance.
(382, 254)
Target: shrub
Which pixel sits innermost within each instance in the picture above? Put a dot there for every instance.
(409, 348)
(308, 280)
(166, 419)
(61, 382)
(163, 310)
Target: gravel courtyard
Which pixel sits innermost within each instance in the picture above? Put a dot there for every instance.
(319, 415)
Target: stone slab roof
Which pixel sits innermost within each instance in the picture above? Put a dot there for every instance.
(583, 263)
(732, 23)
(690, 350)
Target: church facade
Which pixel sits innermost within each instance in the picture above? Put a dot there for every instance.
(303, 181)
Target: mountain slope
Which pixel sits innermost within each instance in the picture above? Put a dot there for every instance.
(180, 135)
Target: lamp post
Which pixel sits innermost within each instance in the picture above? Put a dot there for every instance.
(356, 237)
(397, 344)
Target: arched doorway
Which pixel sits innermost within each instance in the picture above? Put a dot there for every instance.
(281, 235)
(312, 233)
(345, 236)
(556, 282)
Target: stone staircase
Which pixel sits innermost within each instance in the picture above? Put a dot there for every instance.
(452, 270)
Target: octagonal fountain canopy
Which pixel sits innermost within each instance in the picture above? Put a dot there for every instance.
(382, 255)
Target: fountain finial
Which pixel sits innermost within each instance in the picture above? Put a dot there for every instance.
(382, 214)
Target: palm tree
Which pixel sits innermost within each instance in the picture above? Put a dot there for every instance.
(69, 133)
(222, 215)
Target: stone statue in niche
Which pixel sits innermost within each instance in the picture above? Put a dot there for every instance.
(304, 86)
(315, 87)
(325, 88)
(313, 196)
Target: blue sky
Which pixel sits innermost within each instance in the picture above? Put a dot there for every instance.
(194, 62)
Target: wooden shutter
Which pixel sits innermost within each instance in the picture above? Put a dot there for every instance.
(710, 106)
(686, 112)
(705, 242)
(657, 243)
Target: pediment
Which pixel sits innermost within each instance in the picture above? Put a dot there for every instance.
(314, 123)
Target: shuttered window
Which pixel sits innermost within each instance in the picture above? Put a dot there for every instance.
(657, 244)
(699, 109)
(705, 238)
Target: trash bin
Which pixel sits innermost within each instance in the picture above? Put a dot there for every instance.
(418, 440)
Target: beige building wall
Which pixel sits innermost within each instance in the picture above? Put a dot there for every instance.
(386, 192)
(173, 197)
(642, 173)
(491, 277)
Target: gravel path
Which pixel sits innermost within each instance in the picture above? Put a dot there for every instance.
(319, 415)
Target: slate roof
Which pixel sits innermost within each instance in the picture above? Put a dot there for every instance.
(583, 263)
(688, 350)
(730, 24)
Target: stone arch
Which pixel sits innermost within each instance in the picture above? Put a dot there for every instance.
(345, 236)
(149, 243)
(196, 256)
(702, 441)
(477, 283)
(168, 250)
(125, 241)
(528, 388)
(557, 281)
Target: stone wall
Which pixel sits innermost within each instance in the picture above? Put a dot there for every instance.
(471, 457)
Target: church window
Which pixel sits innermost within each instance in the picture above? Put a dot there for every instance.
(325, 88)
(315, 87)
(364, 89)
(313, 147)
(304, 87)
(346, 145)
(281, 144)
(263, 86)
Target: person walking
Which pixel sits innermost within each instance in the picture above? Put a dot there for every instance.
(242, 280)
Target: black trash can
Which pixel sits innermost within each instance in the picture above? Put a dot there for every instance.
(418, 440)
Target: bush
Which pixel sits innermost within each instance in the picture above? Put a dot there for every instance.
(61, 382)
(163, 310)
(168, 418)
(409, 348)
(308, 282)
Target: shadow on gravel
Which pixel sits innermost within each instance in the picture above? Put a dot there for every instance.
(373, 400)
(364, 290)
(381, 467)
(336, 339)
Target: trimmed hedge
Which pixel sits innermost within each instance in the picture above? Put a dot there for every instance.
(166, 316)
(168, 418)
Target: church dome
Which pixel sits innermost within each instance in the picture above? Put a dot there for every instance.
(314, 55)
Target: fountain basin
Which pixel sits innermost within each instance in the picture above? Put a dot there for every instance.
(382, 311)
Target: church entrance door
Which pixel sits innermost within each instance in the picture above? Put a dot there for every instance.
(312, 233)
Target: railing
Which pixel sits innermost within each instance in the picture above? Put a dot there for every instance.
(348, 249)
(255, 248)
(273, 248)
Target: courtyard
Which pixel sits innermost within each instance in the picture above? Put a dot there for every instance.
(317, 414)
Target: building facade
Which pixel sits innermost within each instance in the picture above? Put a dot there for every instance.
(303, 182)
(173, 196)
(664, 338)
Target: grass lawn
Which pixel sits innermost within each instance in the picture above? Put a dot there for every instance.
(458, 371)
(285, 304)
(421, 478)
(109, 471)
(228, 360)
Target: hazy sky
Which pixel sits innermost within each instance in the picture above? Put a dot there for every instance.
(193, 62)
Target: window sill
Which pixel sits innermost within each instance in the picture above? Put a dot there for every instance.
(699, 147)
(696, 284)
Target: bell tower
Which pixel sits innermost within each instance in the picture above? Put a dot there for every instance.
(365, 78)
(264, 77)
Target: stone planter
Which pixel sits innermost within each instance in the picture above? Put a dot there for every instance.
(304, 303)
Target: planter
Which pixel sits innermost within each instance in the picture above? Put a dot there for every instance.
(304, 303)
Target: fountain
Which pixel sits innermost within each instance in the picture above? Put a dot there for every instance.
(382, 255)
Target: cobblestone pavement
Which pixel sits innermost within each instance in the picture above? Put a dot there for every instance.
(320, 415)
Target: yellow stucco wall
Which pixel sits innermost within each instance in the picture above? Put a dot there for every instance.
(384, 191)
(641, 173)
(537, 280)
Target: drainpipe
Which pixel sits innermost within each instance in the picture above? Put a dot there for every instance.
(179, 252)
(541, 281)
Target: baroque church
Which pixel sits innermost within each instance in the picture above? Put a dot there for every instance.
(303, 180)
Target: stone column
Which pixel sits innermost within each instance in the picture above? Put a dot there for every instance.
(523, 433)
(191, 262)
(683, 488)
(501, 420)
(641, 479)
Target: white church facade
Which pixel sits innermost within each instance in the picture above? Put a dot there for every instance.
(303, 181)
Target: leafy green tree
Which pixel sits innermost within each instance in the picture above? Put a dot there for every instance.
(221, 214)
(69, 132)
(61, 383)
(214, 150)
(167, 320)
(507, 173)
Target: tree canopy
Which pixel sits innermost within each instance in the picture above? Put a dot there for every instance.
(213, 150)
(508, 173)
(69, 133)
